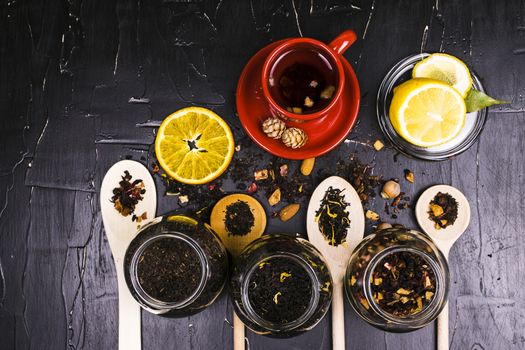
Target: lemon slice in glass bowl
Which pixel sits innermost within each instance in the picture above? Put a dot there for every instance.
(446, 68)
(427, 112)
(194, 145)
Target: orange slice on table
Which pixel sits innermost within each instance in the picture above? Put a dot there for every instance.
(194, 145)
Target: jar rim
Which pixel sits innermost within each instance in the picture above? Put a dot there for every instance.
(312, 306)
(159, 304)
(431, 311)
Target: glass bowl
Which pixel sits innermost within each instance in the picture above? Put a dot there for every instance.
(400, 73)
(366, 258)
(246, 278)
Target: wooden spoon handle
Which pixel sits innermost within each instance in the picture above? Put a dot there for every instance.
(338, 318)
(129, 322)
(238, 333)
(442, 329)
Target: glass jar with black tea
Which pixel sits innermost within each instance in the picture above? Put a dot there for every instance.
(397, 280)
(280, 286)
(175, 266)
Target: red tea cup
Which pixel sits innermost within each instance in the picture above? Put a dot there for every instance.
(294, 51)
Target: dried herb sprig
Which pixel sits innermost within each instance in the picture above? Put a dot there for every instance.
(332, 216)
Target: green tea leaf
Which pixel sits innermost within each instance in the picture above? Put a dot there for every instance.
(477, 100)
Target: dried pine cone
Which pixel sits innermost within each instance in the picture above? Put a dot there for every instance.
(294, 137)
(274, 127)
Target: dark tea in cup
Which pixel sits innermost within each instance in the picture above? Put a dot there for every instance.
(303, 80)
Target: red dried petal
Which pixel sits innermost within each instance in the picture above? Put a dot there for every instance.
(252, 188)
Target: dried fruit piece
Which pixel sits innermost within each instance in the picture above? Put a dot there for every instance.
(402, 291)
(308, 102)
(378, 145)
(261, 174)
(364, 302)
(297, 110)
(252, 188)
(372, 215)
(437, 210)
(283, 170)
(409, 176)
(328, 92)
(275, 197)
(391, 189)
(289, 211)
(294, 138)
(307, 166)
(274, 127)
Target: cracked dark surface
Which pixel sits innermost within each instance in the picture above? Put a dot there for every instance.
(83, 83)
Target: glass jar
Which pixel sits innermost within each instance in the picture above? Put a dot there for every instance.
(281, 286)
(470, 132)
(370, 295)
(175, 266)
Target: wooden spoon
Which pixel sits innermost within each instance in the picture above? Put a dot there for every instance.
(444, 239)
(120, 230)
(236, 244)
(337, 256)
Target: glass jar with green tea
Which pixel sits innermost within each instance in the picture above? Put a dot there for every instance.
(280, 286)
(175, 266)
(397, 280)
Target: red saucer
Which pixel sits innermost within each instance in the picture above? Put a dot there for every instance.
(324, 134)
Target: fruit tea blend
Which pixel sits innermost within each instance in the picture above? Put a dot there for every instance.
(397, 280)
(443, 210)
(127, 195)
(403, 284)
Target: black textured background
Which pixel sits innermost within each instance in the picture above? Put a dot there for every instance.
(81, 83)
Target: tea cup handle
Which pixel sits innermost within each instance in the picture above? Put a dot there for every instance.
(343, 41)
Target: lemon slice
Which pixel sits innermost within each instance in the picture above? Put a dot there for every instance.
(446, 68)
(194, 145)
(427, 112)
